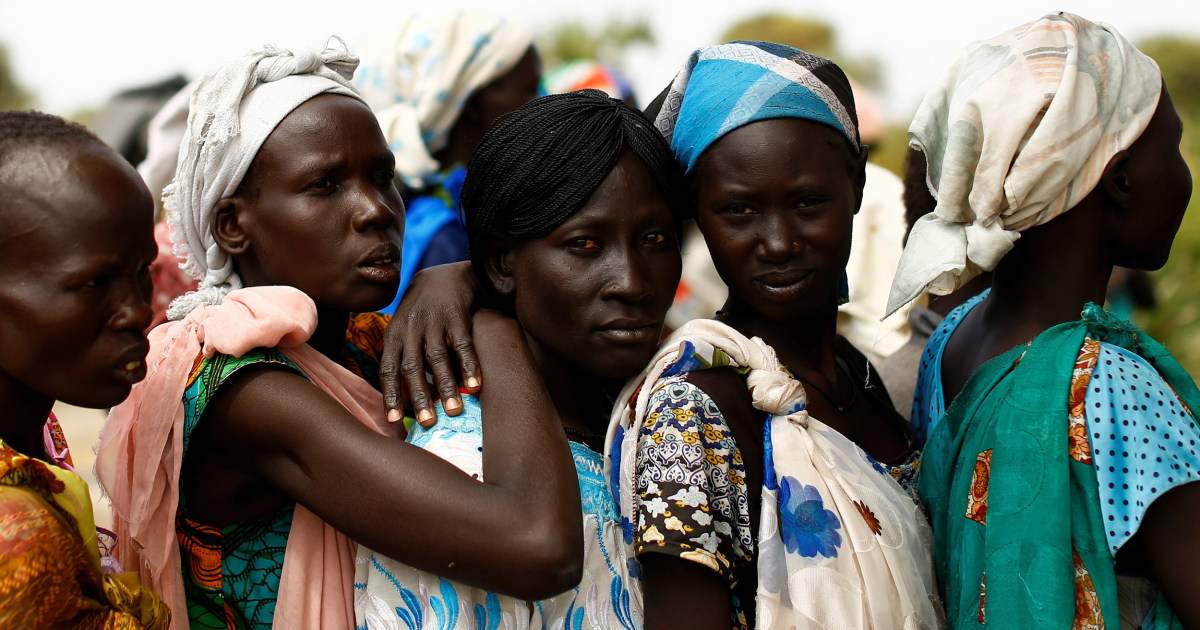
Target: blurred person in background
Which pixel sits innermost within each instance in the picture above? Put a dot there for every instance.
(436, 80)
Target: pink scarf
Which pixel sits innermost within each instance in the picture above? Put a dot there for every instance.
(141, 451)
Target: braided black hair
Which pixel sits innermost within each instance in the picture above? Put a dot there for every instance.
(539, 165)
(20, 129)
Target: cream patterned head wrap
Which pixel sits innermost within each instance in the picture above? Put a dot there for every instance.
(1017, 132)
(232, 111)
(418, 72)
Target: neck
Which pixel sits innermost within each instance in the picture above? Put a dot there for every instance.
(330, 336)
(1051, 272)
(582, 400)
(24, 417)
(804, 344)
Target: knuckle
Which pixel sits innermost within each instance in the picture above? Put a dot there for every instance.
(411, 367)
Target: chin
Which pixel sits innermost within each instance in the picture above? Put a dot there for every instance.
(623, 364)
(97, 396)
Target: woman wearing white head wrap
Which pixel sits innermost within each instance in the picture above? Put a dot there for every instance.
(1051, 431)
(256, 452)
(1018, 130)
(436, 80)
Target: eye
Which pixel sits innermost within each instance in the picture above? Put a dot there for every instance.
(583, 242)
(738, 209)
(98, 282)
(384, 178)
(654, 238)
(809, 201)
(321, 186)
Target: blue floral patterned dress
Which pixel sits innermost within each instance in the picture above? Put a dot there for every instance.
(389, 594)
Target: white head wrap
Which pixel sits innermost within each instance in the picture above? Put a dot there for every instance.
(1017, 132)
(418, 72)
(233, 109)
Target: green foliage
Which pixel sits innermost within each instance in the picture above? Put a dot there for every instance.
(809, 34)
(12, 95)
(1175, 320)
(806, 34)
(889, 151)
(574, 40)
(1179, 60)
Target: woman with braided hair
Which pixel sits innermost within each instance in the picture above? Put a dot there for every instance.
(572, 205)
(257, 453)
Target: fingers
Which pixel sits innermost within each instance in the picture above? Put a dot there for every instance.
(389, 371)
(412, 372)
(464, 347)
(437, 358)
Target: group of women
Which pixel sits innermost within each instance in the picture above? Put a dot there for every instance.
(750, 471)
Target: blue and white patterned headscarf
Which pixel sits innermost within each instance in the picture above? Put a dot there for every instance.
(418, 72)
(727, 86)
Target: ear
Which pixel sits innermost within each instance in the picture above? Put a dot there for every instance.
(858, 175)
(499, 265)
(1114, 181)
(227, 229)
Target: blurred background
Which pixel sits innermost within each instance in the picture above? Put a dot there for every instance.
(111, 65)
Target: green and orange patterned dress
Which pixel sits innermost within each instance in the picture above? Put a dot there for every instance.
(231, 574)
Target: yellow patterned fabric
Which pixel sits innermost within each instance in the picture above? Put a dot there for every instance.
(50, 574)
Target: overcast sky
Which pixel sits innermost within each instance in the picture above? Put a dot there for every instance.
(75, 54)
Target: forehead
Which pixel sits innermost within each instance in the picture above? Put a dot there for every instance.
(775, 148)
(76, 195)
(328, 124)
(627, 194)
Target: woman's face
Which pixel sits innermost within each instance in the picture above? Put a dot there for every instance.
(594, 292)
(1159, 187)
(517, 87)
(321, 212)
(775, 201)
(75, 259)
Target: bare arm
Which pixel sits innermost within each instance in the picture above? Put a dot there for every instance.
(680, 593)
(519, 533)
(432, 320)
(1166, 545)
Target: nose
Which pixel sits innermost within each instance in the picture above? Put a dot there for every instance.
(132, 312)
(628, 278)
(374, 209)
(778, 240)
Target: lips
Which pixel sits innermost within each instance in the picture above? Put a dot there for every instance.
(130, 367)
(783, 284)
(381, 264)
(630, 331)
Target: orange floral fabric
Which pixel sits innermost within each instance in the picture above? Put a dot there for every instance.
(1088, 615)
(48, 578)
(1078, 444)
(977, 500)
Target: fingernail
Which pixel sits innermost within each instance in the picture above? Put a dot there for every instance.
(472, 383)
(425, 417)
(394, 415)
(452, 405)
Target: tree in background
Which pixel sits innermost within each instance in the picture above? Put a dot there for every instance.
(809, 34)
(574, 40)
(12, 95)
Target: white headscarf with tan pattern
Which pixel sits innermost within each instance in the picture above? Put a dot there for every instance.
(1017, 132)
